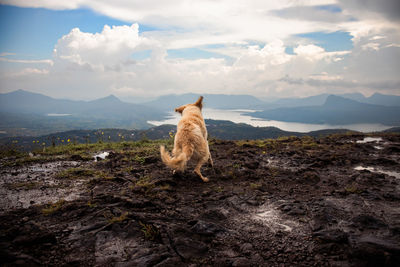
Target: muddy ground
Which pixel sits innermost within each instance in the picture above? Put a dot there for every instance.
(288, 202)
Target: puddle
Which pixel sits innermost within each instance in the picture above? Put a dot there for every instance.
(101, 156)
(376, 170)
(36, 184)
(369, 140)
(272, 218)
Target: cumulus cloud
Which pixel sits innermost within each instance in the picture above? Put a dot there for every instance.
(254, 34)
(312, 13)
(113, 46)
(386, 8)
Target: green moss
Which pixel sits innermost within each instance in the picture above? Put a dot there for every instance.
(118, 219)
(236, 166)
(353, 189)
(91, 205)
(51, 208)
(255, 186)
(144, 183)
(139, 159)
(219, 189)
(150, 231)
(23, 185)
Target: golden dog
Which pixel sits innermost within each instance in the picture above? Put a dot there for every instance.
(190, 140)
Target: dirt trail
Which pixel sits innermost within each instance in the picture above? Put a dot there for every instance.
(288, 202)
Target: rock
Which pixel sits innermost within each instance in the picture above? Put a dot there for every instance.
(252, 165)
(376, 251)
(189, 248)
(147, 260)
(206, 228)
(215, 215)
(331, 236)
(247, 248)
(241, 262)
(76, 157)
(367, 221)
(311, 177)
(169, 262)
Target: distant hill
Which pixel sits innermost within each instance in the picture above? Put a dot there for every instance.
(22, 108)
(225, 130)
(385, 100)
(27, 113)
(335, 110)
(318, 100)
(219, 101)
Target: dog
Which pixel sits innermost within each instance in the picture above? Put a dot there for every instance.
(190, 141)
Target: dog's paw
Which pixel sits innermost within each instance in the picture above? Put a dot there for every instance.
(205, 179)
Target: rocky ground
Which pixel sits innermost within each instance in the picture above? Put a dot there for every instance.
(294, 201)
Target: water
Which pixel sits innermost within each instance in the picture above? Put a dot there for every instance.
(58, 114)
(238, 116)
(377, 170)
(101, 155)
(369, 140)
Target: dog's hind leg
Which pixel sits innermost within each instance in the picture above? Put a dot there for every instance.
(198, 166)
(209, 157)
(210, 161)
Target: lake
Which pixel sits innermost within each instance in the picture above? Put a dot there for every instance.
(238, 116)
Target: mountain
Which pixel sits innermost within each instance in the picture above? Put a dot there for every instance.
(295, 102)
(385, 100)
(335, 110)
(318, 100)
(170, 102)
(50, 113)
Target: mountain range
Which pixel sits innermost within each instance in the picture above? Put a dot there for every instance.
(27, 113)
(336, 111)
(318, 100)
(217, 101)
(20, 108)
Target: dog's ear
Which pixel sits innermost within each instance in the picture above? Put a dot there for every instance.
(199, 102)
(180, 109)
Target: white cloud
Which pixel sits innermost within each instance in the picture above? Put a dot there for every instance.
(113, 46)
(371, 46)
(26, 73)
(254, 34)
(24, 61)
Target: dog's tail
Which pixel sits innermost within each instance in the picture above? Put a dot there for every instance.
(178, 162)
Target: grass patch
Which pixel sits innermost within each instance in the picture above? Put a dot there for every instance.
(53, 207)
(80, 173)
(143, 183)
(139, 159)
(120, 218)
(255, 186)
(91, 205)
(23, 185)
(146, 147)
(353, 189)
(75, 173)
(150, 231)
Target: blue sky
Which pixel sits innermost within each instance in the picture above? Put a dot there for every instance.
(32, 32)
(230, 47)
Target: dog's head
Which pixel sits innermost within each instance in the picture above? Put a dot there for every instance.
(198, 104)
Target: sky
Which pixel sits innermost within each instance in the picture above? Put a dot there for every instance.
(135, 49)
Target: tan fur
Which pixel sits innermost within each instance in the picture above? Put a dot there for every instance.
(190, 140)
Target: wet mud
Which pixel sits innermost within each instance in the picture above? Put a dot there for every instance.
(286, 202)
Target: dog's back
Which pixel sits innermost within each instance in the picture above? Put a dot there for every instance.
(190, 140)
